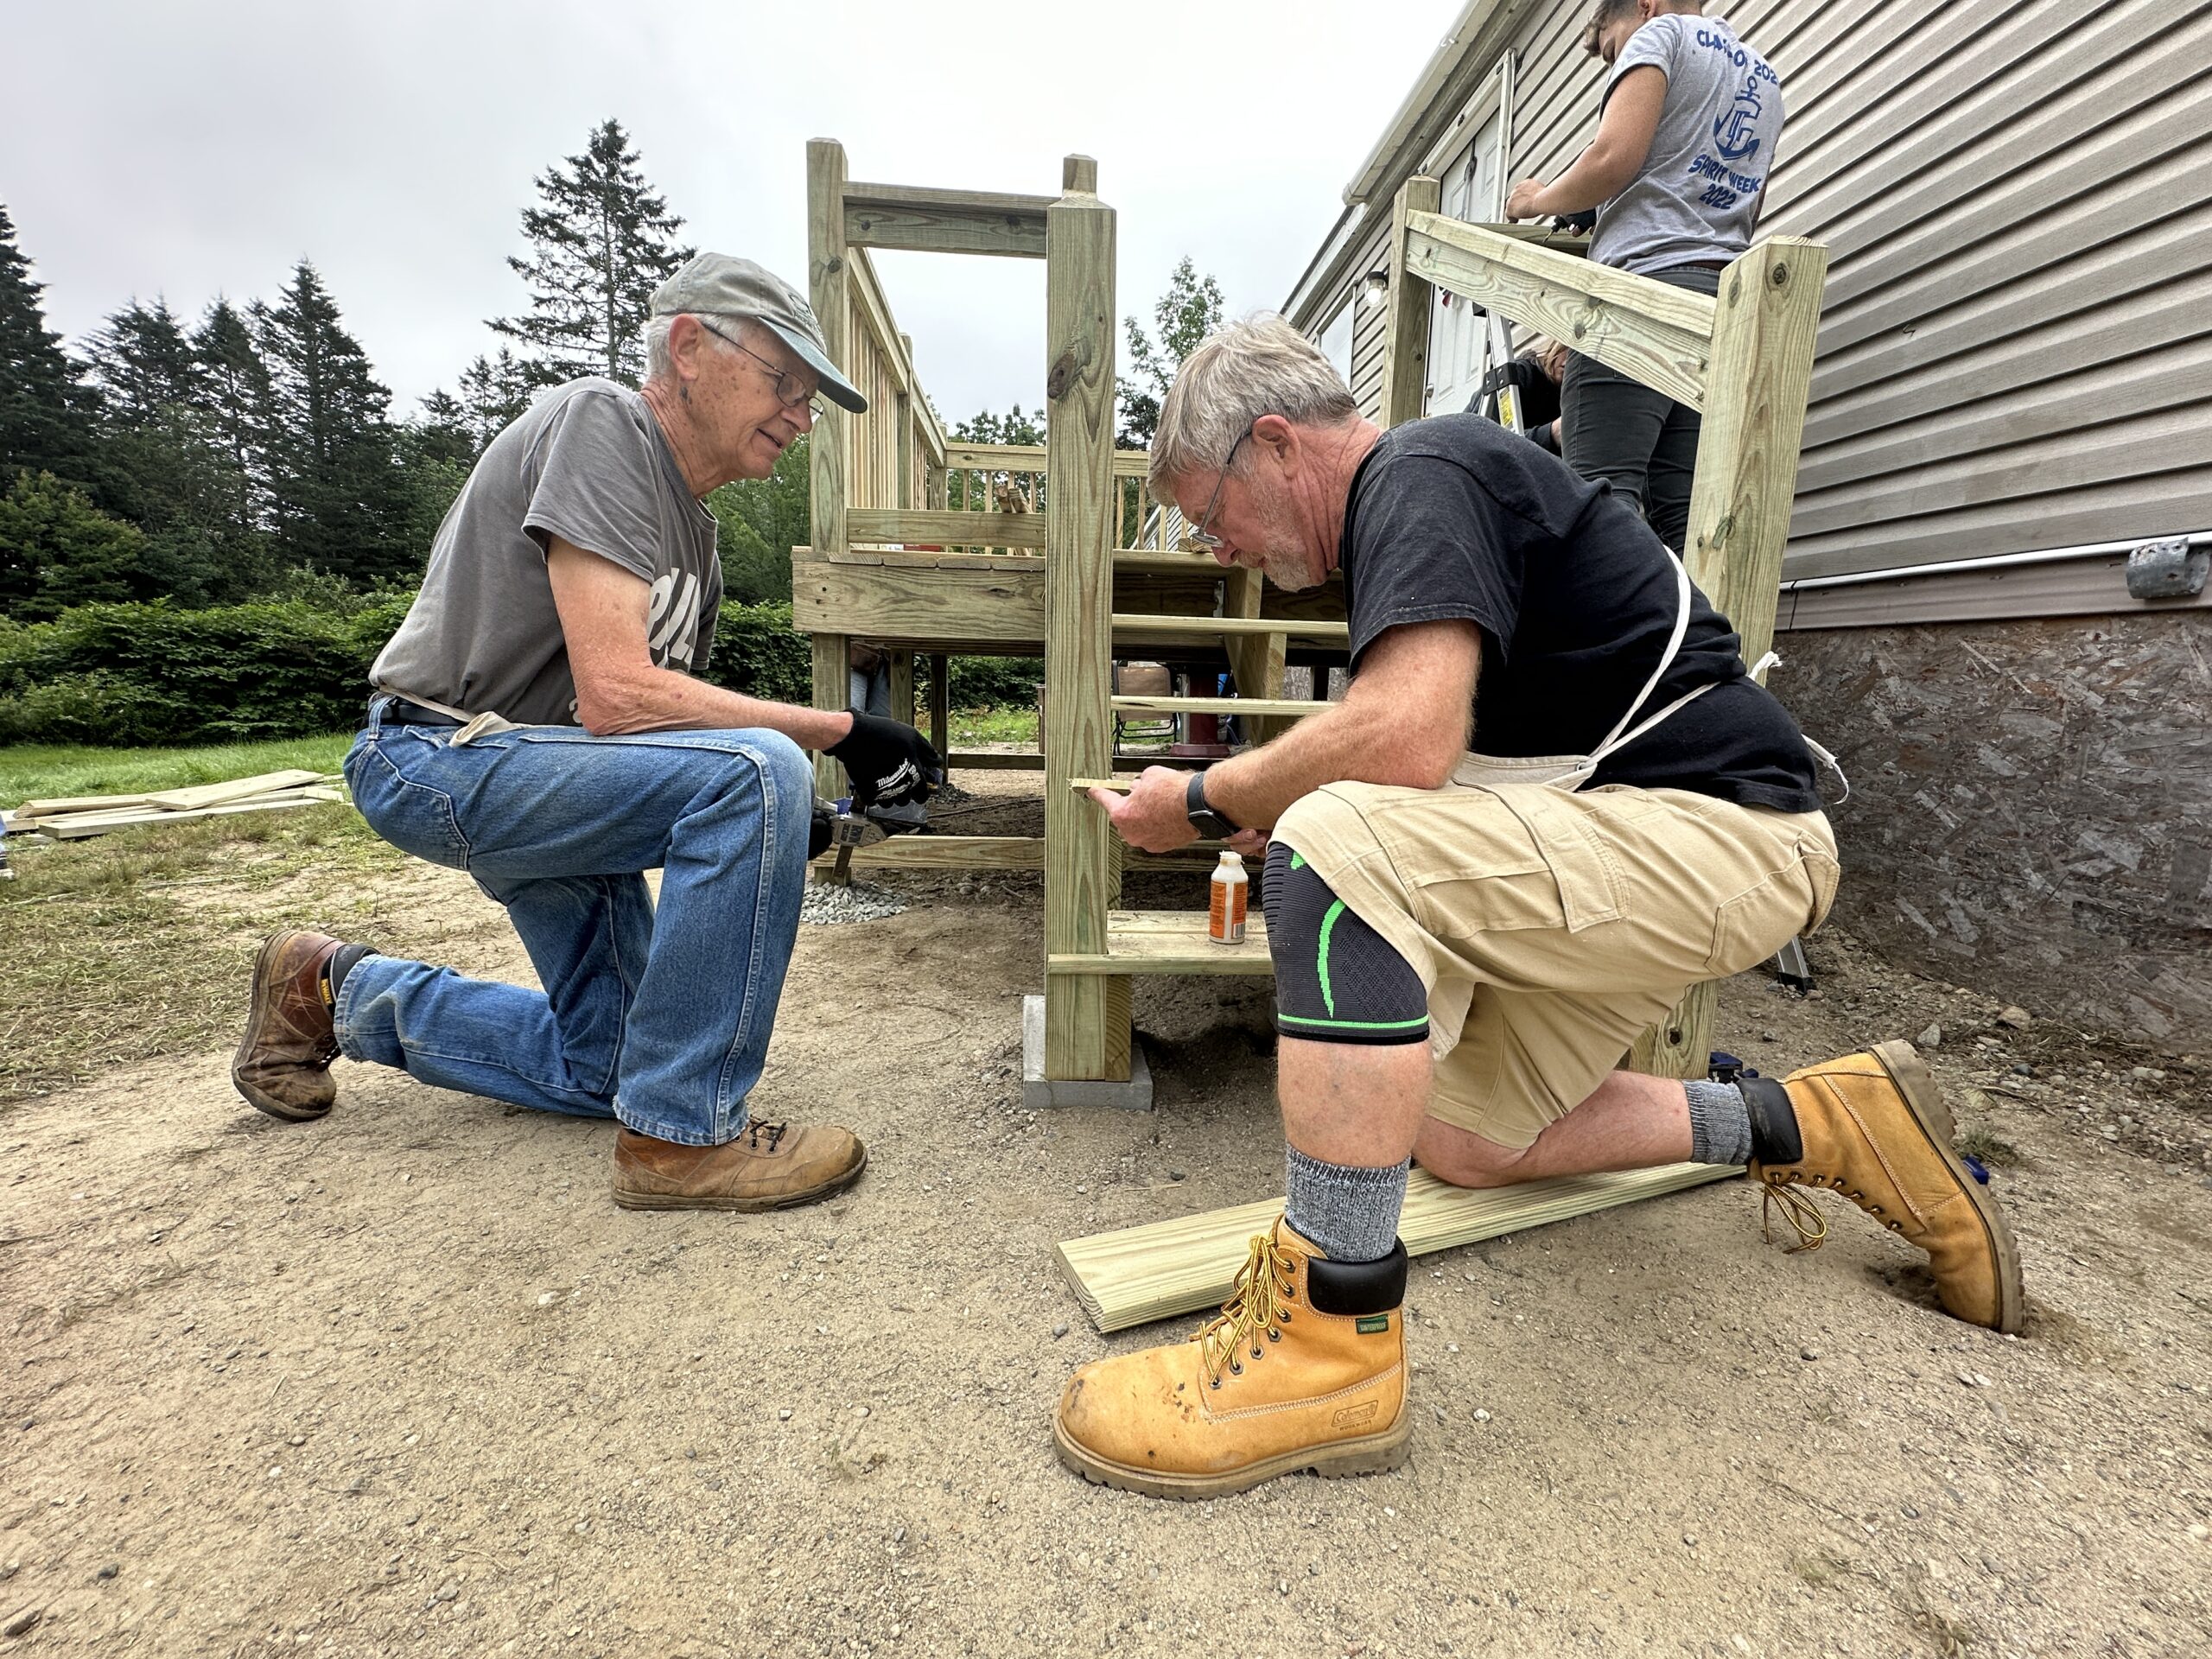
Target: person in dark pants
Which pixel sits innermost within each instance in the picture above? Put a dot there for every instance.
(1690, 119)
(1535, 375)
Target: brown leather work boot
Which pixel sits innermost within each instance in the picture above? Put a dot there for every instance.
(282, 1064)
(768, 1166)
(1874, 1127)
(1304, 1369)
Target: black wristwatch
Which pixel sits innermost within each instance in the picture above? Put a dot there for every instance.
(1204, 818)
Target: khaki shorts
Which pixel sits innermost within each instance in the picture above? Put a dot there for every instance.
(1552, 928)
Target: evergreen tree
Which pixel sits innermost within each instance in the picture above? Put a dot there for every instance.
(1186, 313)
(760, 521)
(601, 242)
(341, 501)
(234, 402)
(494, 392)
(144, 364)
(45, 409)
(57, 549)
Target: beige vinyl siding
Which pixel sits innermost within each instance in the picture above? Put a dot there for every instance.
(2015, 351)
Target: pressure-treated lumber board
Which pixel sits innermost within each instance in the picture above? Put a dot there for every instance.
(832, 689)
(1124, 623)
(946, 602)
(1766, 317)
(867, 524)
(944, 221)
(827, 287)
(948, 852)
(1032, 760)
(1086, 1016)
(1170, 1267)
(1660, 334)
(1405, 328)
(1255, 660)
(1030, 458)
(80, 825)
(60, 805)
(1280, 708)
(941, 705)
(238, 788)
(1170, 942)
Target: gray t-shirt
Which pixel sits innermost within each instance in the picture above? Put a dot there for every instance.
(586, 462)
(1697, 196)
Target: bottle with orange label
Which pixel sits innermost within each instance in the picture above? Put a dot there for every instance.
(1226, 915)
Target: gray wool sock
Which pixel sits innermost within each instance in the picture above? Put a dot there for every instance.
(1721, 1124)
(1349, 1211)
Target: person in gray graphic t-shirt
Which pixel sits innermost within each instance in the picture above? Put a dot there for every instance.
(1690, 120)
(538, 721)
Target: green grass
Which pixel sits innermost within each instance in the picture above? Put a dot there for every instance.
(32, 771)
(136, 943)
(1010, 725)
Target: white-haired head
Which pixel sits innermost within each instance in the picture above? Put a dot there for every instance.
(1259, 366)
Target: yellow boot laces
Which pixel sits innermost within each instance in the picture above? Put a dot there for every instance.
(1267, 1286)
(1799, 1211)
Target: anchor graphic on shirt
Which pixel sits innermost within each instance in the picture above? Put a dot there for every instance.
(1731, 133)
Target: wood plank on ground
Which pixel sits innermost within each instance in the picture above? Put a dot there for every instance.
(1179, 1265)
(80, 825)
(238, 788)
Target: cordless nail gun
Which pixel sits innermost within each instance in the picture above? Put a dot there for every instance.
(849, 829)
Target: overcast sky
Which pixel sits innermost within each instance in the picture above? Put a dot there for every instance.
(197, 150)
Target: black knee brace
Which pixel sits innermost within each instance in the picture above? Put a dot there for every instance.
(1337, 979)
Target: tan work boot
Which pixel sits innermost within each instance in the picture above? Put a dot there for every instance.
(1304, 1369)
(1874, 1127)
(282, 1064)
(768, 1166)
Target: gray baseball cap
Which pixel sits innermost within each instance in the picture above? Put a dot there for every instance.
(717, 285)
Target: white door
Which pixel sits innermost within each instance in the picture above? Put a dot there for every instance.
(1474, 190)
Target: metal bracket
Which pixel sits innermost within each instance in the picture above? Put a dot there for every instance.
(2170, 569)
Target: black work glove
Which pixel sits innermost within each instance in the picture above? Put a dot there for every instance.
(819, 830)
(888, 760)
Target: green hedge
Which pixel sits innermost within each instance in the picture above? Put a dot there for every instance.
(151, 675)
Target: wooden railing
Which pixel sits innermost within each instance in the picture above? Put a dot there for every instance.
(1743, 358)
(895, 455)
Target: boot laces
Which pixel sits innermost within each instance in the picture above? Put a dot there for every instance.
(774, 1131)
(1798, 1210)
(1266, 1289)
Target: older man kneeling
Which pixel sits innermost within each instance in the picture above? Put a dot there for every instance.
(536, 721)
(1552, 800)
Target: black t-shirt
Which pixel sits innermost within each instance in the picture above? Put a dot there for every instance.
(1455, 517)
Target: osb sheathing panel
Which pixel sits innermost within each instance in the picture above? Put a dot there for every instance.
(2032, 807)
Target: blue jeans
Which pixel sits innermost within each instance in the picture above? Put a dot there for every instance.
(660, 1020)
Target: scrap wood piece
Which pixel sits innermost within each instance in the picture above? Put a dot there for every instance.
(238, 788)
(80, 825)
(1179, 1265)
(31, 811)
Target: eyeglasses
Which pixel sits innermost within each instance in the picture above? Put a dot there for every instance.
(791, 388)
(1202, 538)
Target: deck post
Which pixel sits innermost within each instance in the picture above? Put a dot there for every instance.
(1405, 331)
(1767, 317)
(1086, 1016)
(827, 285)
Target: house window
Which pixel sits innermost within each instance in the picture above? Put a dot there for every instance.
(1336, 341)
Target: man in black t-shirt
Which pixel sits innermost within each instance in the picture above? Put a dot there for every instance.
(1551, 801)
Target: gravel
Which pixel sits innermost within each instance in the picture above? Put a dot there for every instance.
(828, 904)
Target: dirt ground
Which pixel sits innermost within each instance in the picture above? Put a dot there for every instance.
(405, 1381)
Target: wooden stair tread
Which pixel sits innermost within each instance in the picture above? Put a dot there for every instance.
(1125, 622)
(1137, 705)
(1170, 942)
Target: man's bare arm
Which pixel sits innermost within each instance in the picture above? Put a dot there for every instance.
(604, 610)
(1404, 721)
(1615, 156)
